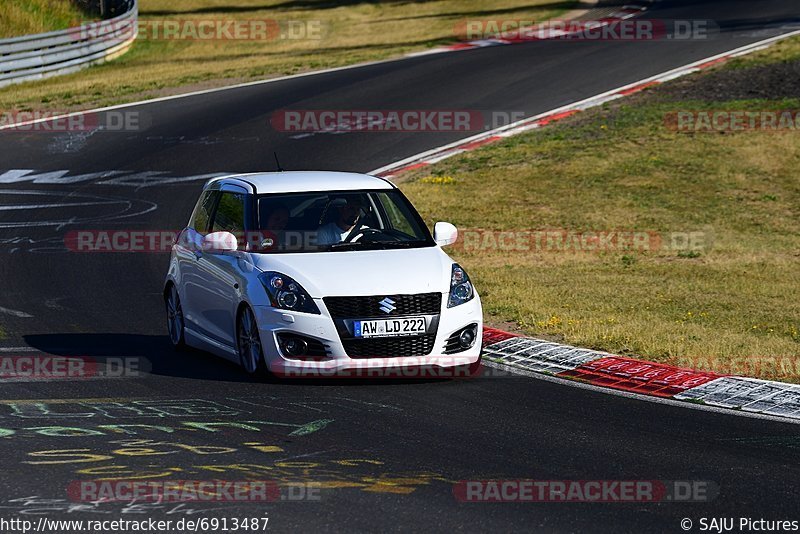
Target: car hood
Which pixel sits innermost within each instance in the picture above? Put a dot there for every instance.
(364, 272)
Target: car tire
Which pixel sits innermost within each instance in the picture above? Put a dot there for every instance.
(175, 321)
(248, 344)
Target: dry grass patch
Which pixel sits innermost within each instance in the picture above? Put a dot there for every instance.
(22, 17)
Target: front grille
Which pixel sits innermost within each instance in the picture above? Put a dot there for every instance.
(357, 307)
(389, 347)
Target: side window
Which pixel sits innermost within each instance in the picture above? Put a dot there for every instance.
(230, 214)
(201, 215)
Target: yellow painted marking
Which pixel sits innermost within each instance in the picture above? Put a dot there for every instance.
(353, 463)
(264, 448)
(386, 488)
(297, 465)
(398, 481)
(334, 484)
(81, 456)
(119, 472)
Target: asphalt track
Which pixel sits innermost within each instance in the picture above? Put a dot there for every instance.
(388, 452)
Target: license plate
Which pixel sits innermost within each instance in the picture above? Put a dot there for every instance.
(407, 326)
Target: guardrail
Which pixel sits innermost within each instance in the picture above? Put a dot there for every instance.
(32, 57)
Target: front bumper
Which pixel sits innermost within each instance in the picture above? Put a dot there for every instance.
(274, 321)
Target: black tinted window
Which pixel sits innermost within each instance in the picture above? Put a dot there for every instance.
(202, 211)
(230, 213)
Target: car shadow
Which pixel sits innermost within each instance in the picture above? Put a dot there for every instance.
(154, 355)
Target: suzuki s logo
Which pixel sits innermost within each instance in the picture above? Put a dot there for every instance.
(387, 305)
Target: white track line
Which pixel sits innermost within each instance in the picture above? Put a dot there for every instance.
(15, 313)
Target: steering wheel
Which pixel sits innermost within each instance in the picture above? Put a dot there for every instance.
(363, 232)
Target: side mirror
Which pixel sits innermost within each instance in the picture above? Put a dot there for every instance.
(219, 242)
(444, 234)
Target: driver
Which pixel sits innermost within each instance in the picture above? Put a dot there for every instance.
(349, 211)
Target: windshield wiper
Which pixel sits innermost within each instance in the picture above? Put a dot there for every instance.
(403, 244)
(372, 244)
(345, 244)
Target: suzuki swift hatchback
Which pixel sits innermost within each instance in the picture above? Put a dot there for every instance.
(319, 273)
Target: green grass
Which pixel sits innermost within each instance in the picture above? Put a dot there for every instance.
(733, 306)
(350, 33)
(22, 17)
(786, 50)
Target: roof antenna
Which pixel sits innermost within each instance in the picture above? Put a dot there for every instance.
(278, 163)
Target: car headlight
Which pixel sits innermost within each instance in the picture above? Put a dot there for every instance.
(286, 294)
(461, 289)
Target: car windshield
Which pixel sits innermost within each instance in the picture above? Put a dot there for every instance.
(338, 221)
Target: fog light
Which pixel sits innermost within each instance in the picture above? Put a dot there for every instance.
(295, 347)
(467, 338)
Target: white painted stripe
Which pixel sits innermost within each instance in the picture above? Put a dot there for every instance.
(430, 52)
(61, 205)
(15, 313)
(736, 387)
(613, 94)
(749, 395)
(720, 384)
(18, 349)
(61, 177)
(539, 356)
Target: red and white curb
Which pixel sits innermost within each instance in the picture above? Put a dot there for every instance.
(543, 32)
(530, 355)
(468, 144)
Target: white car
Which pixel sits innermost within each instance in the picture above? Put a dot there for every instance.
(320, 273)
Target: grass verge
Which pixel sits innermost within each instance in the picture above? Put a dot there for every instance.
(330, 34)
(730, 304)
(22, 17)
